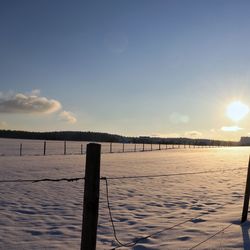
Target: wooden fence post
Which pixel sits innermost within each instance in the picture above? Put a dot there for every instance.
(159, 146)
(21, 149)
(246, 198)
(110, 148)
(65, 148)
(81, 149)
(135, 148)
(91, 197)
(44, 148)
(143, 147)
(151, 147)
(123, 149)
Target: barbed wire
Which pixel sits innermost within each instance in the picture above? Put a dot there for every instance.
(43, 180)
(121, 177)
(173, 174)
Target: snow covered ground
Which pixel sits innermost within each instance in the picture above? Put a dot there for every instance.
(48, 215)
(10, 147)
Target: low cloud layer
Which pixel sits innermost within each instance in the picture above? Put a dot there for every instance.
(68, 117)
(231, 129)
(28, 104)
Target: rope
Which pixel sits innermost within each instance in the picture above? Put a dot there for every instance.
(222, 230)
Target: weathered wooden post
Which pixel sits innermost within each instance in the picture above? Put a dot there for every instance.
(110, 148)
(21, 149)
(65, 150)
(159, 146)
(143, 147)
(123, 149)
(246, 197)
(81, 149)
(44, 148)
(91, 197)
(135, 148)
(151, 147)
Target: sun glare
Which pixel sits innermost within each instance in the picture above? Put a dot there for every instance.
(237, 110)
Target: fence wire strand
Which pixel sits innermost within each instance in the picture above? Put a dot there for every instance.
(106, 179)
(212, 236)
(121, 177)
(173, 174)
(133, 243)
(42, 180)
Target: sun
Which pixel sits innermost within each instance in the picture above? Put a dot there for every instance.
(237, 110)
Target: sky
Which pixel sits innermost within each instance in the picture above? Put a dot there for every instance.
(135, 67)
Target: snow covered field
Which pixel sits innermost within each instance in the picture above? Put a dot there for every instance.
(10, 147)
(48, 215)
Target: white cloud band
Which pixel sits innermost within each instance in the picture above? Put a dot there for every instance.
(21, 103)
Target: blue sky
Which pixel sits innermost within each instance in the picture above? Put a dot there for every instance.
(167, 68)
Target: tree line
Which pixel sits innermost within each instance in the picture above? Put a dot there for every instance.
(106, 137)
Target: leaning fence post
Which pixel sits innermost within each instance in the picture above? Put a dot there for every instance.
(21, 149)
(246, 198)
(91, 197)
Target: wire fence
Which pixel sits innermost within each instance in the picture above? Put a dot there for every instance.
(107, 179)
(52, 148)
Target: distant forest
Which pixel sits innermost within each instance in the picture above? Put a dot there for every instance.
(106, 137)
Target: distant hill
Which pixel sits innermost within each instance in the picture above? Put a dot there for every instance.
(106, 137)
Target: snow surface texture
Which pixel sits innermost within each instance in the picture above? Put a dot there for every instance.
(48, 215)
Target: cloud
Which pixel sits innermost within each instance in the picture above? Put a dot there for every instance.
(177, 118)
(68, 117)
(28, 104)
(231, 129)
(3, 124)
(193, 134)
